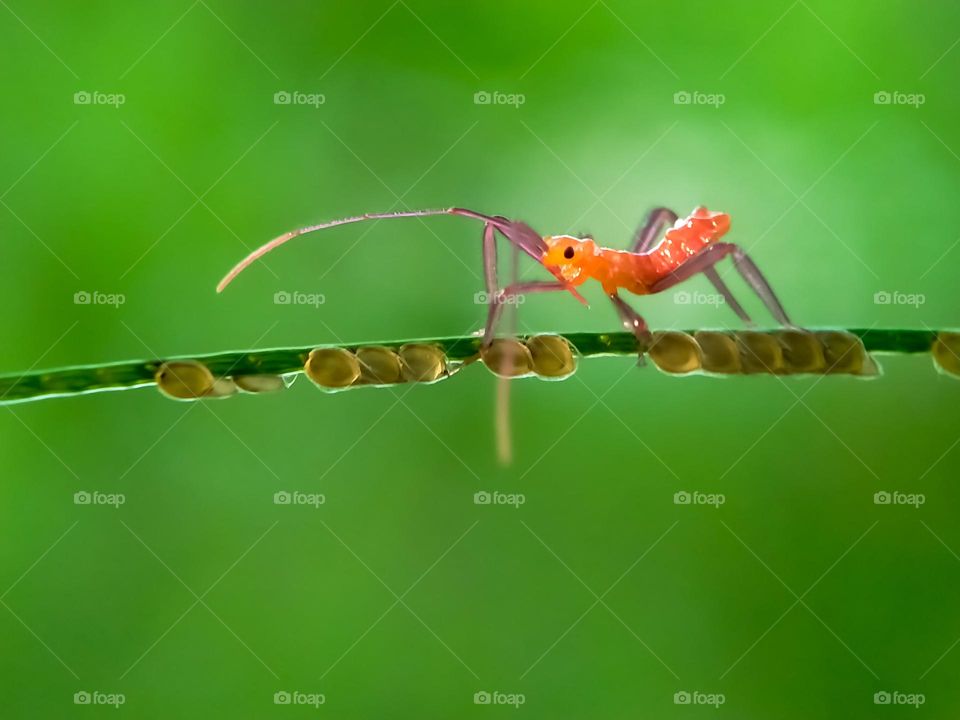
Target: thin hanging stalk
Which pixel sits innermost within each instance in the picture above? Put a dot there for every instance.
(456, 351)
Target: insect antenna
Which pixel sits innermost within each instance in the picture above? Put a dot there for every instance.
(518, 233)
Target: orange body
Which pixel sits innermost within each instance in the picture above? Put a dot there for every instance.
(576, 260)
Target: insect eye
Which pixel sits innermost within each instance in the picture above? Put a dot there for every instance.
(568, 252)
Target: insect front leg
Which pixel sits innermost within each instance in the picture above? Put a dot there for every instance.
(490, 261)
(509, 294)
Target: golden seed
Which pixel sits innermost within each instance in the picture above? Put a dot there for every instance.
(759, 352)
(507, 358)
(184, 379)
(675, 352)
(378, 365)
(421, 363)
(260, 383)
(551, 356)
(802, 352)
(332, 367)
(223, 387)
(719, 352)
(946, 352)
(843, 352)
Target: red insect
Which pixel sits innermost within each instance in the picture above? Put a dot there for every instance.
(689, 247)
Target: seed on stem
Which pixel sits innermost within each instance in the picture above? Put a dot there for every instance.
(720, 353)
(507, 358)
(551, 356)
(844, 354)
(260, 383)
(802, 352)
(421, 363)
(332, 368)
(946, 352)
(378, 365)
(759, 352)
(675, 352)
(185, 380)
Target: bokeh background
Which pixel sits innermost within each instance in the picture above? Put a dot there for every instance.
(399, 596)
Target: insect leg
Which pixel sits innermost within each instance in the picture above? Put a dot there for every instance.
(647, 236)
(522, 236)
(512, 291)
(648, 233)
(710, 256)
(490, 260)
(755, 279)
(721, 286)
(633, 322)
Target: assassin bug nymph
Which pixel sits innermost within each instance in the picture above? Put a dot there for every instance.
(691, 245)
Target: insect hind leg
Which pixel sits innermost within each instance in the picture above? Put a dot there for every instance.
(710, 256)
(755, 279)
(714, 277)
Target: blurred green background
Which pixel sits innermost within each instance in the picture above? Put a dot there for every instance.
(400, 597)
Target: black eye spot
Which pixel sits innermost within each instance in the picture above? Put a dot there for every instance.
(568, 252)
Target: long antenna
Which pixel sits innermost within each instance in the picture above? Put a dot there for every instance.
(501, 223)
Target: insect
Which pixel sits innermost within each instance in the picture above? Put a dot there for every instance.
(691, 245)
